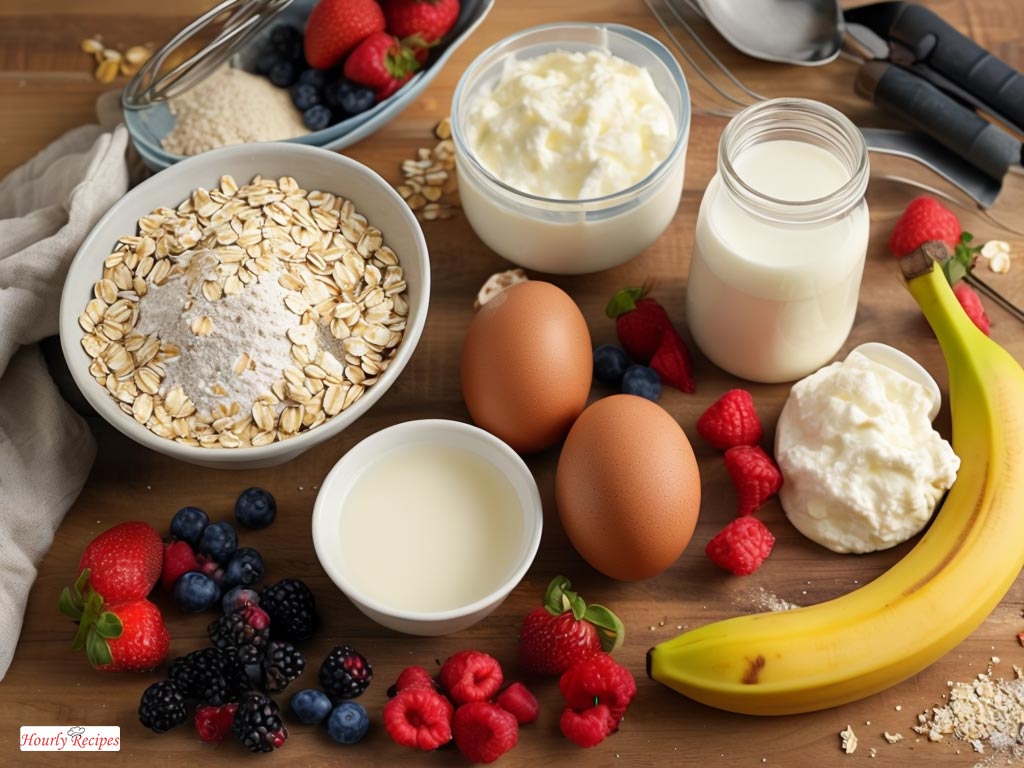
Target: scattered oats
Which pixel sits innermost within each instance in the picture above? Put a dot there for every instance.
(892, 738)
(429, 185)
(899, 707)
(993, 247)
(1000, 263)
(497, 283)
(872, 752)
(849, 740)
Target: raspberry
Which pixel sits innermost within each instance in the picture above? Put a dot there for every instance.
(598, 680)
(178, 559)
(214, 723)
(754, 474)
(518, 700)
(672, 362)
(412, 677)
(730, 421)
(741, 546)
(484, 731)
(588, 727)
(971, 303)
(471, 676)
(924, 219)
(419, 718)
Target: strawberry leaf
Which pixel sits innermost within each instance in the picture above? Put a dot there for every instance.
(70, 605)
(90, 614)
(97, 650)
(108, 625)
(961, 262)
(83, 579)
(609, 627)
(625, 300)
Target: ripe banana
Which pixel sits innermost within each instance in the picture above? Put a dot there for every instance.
(842, 650)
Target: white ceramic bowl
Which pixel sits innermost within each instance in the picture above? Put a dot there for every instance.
(313, 168)
(330, 509)
(571, 236)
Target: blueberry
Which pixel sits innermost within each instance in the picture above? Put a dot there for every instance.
(219, 541)
(643, 381)
(255, 508)
(244, 568)
(195, 592)
(315, 77)
(287, 41)
(188, 524)
(610, 362)
(304, 96)
(311, 706)
(283, 73)
(265, 62)
(237, 598)
(335, 91)
(358, 99)
(317, 117)
(348, 723)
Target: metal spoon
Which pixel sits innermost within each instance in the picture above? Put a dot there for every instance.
(804, 32)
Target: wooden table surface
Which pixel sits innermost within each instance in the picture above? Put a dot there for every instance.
(46, 87)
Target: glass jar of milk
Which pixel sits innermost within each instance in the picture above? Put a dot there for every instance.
(781, 238)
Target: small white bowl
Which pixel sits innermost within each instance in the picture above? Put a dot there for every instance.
(330, 510)
(313, 168)
(571, 236)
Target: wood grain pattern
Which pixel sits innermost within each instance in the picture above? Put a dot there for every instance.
(46, 88)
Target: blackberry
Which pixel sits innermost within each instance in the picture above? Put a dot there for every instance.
(258, 725)
(291, 608)
(210, 675)
(162, 706)
(282, 663)
(345, 673)
(244, 632)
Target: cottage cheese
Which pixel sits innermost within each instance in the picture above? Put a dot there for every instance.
(862, 467)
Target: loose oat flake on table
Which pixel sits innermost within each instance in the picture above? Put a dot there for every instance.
(245, 315)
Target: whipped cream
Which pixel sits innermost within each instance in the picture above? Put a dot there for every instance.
(571, 125)
(862, 467)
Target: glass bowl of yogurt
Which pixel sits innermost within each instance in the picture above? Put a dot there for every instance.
(426, 526)
(570, 145)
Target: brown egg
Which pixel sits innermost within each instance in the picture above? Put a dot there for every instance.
(628, 487)
(526, 365)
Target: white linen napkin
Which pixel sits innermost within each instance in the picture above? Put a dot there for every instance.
(47, 207)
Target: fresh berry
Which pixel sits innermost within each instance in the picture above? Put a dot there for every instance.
(305, 96)
(566, 630)
(741, 546)
(244, 568)
(640, 322)
(730, 421)
(587, 727)
(641, 381)
(419, 718)
(210, 675)
(237, 598)
(971, 303)
(483, 731)
(924, 219)
(162, 706)
(124, 562)
(246, 632)
(381, 62)
(345, 673)
(255, 507)
(357, 99)
(178, 559)
(610, 362)
(287, 41)
(412, 677)
(283, 73)
(335, 91)
(265, 61)
(282, 663)
(126, 637)
(212, 723)
(210, 567)
(314, 77)
(424, 22)
(598, 680)
(188, 524)
(311, 706)
(518, 700)
(258, 725)
(219, 541)
(470, 676)
(672, 362)
(336, 27)
(754, 474)
(348, 723)
(195, 592)
(292, 609)
(317, 117)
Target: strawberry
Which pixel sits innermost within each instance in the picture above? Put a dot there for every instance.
(958, 266)
(640, 322)
(124, 562)
(566, 630)
(672, 362)
(425, 21)
(754, 474)
(730, 421)
(382, 63)
(336, 27)
(924, 219)
(971, 303)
